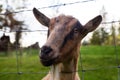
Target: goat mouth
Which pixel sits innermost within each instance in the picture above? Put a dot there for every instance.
(48, 62)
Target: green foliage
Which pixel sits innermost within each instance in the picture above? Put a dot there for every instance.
(96, 40)
(118, 39)
(119, 29)
(113, 38)
(104, 36)
(99, 37)
(96, 60)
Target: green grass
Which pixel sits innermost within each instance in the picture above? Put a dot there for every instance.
(97, 63)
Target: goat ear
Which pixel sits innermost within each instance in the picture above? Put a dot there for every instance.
(93, 24)
(44, 20)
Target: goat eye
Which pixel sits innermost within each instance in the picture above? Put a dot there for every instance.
(75, 30)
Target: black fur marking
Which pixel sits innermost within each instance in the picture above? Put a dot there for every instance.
(71, 34)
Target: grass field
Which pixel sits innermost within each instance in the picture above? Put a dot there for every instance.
(98, 63)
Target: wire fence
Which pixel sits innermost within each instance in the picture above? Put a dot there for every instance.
(20, 56)
(83, 69)
(52, 6)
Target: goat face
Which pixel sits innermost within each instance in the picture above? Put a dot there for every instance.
(64, 34)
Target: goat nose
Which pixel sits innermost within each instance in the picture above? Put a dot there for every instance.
(45, 50)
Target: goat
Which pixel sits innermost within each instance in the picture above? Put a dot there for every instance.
(61, 51)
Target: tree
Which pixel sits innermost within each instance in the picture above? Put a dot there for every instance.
(8, 20)
(104, 36)
(1, 18)
(113, 34)
(100, 37)
(118, 37)
(96, 39)
(112, 40)
(119, 29)
(15, 25)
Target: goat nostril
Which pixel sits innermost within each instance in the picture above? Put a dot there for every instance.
(46, 49)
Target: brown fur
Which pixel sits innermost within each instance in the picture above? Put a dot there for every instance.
(61, 51)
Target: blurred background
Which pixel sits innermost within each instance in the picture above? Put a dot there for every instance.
(21, 37)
